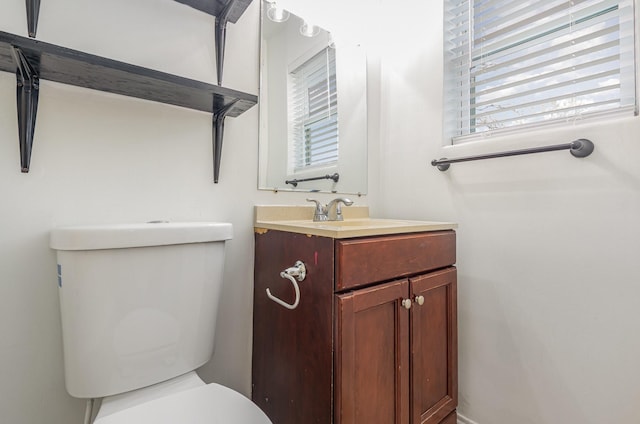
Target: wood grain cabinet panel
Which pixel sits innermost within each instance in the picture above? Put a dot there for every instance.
(434, 347)
(367, 260)
(293, 349)
(375, 349)
(372, 355)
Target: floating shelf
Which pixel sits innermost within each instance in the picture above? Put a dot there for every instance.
(235, 8)
(32, 60)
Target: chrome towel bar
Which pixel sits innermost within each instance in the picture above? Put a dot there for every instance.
(580, 148)
(335, 177)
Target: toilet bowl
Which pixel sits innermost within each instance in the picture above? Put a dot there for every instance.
(184, 400)
(138, 306)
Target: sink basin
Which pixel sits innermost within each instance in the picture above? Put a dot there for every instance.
(356, 226)
(366, 222)
(352, 222)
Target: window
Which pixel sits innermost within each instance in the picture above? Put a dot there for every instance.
(313, 106)
(514, 64)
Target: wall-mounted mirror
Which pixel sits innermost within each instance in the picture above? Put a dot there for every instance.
(313, 107)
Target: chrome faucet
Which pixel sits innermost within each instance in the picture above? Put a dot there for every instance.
(322, 212)
(337, 203)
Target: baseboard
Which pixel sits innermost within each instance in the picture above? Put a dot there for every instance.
(464, 420)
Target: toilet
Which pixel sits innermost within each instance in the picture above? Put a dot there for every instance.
(138, 305)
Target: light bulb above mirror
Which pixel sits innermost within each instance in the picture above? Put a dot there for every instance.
(309, 30)
(277, 14)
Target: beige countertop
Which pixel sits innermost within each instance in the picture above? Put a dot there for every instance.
(357, 223)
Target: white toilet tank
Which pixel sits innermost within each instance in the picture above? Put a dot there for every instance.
(138, 302)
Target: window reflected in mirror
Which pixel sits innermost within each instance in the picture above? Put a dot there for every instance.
(313, 107)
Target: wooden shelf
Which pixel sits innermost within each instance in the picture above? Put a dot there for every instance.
(73, 67)
(217, 7)
(67, 66)
(32, 60)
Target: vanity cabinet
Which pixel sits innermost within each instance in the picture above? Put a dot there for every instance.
(373, 338)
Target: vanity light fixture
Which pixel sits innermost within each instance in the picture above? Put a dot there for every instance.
(309, 30)
(332, 42)
(277, 14)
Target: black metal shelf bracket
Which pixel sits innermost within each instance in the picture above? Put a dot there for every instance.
(224, 12)
(28, 88)
(221, 38)
(580, 148)
(33, 10)
(218, 136)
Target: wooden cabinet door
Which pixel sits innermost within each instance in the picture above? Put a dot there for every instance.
(372, 355)
(452, 418)
(434, 362)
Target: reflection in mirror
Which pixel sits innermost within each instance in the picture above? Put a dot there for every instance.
(313, 126)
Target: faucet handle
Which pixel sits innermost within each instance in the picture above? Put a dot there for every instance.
(320, 214)
(318, 204)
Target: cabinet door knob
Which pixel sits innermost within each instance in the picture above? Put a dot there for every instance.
(406, 303)
(419, 300)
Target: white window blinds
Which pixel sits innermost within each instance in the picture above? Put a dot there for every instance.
(520, 63)
(313, 106)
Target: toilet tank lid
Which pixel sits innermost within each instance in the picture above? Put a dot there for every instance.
(119, 236)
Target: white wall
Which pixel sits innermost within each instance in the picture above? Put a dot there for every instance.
(100, 158)
(547, 245)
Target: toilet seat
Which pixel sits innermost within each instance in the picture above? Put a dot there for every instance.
(211, 404)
